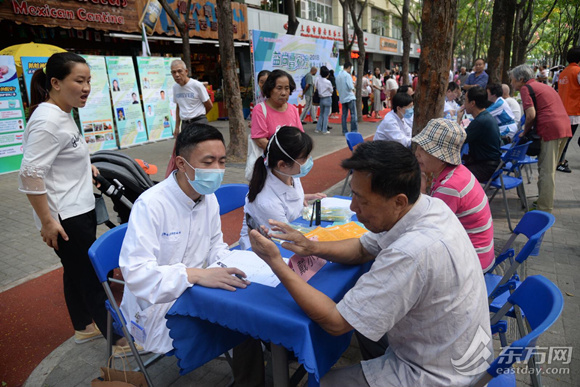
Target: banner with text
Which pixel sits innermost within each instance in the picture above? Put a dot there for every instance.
(96, 117)
(126, 102)
(154, 86)
(293, 54)
(29, 66)
(12, 120)
(169, 81)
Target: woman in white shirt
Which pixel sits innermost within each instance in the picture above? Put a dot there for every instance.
(324, 88)
(451, 107)
(377, 86)
(56, 175)
(275, 189)
(393, 127)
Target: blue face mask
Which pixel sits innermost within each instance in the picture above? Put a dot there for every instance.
(409, 112)
(304, 169)
(207, 181)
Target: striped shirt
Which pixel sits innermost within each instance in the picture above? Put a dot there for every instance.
(461, 191)
(504, 116)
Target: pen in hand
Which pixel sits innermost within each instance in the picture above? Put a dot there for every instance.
(221, 264)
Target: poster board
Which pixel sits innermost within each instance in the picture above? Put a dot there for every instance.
(96, 117)
(29, 66)
(127, 109)
(12, 119)
(169, 81)
(293, 54)
(154, 86)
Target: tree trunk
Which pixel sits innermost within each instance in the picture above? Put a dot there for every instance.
(495, 53)
(361, 54)
(346, 43)
(438, 19)
(510, 15)
(516, 38)
(238, 145)
(183, 28)
(406, 42)
(475, 38)
(293, 22)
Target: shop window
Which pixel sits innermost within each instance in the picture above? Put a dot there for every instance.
(396, 28)
(316, 10)
(378, 22)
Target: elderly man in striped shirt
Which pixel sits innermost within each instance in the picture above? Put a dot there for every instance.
(439, 152)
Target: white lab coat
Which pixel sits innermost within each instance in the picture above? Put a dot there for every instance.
(276, 201)
(168, 232)
(392, 128)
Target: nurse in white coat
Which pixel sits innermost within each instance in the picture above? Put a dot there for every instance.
(174, 231)
(393, 127)
(275, 189)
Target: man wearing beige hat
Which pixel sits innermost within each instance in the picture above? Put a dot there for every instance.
(439, 152)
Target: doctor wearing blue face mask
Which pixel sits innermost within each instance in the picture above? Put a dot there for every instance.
(394, 126)
(275, 188)
(174, 232)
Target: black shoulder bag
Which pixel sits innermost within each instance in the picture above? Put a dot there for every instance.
(536, 145)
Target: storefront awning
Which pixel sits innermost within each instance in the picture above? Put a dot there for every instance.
(171, 39)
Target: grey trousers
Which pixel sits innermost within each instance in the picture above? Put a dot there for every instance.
(345, 376)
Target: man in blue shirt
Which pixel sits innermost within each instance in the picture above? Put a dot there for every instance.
(477, 78)
(345, 88)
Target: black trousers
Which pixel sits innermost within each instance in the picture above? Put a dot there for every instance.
(482, 170)
(84, 295)
(563, 157)
(248, 364)
(365, 106)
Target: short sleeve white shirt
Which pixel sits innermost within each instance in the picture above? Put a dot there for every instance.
(516, 108)
(426, 290)
(190, 99)
(392, 84)
(56, 163)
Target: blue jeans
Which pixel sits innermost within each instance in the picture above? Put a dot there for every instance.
(325, 106)
(351, 105)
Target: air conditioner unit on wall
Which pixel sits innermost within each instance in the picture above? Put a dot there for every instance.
(319, 19)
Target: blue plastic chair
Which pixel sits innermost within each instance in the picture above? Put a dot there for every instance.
(464, 151)
(502, 179)
(527, 162)
(533, 225)
(104, 255)
(231, 197)
(352, 140)
(542, 303)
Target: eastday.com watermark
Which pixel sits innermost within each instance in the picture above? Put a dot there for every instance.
(535, 371)
(548, 360)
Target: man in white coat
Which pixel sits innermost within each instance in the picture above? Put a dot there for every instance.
(174, 232)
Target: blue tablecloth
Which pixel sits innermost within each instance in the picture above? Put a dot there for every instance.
(205, 323)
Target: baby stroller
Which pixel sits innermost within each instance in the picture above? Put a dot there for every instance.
(122, 179)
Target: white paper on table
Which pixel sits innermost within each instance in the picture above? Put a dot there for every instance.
(335, 203)
(254, 267)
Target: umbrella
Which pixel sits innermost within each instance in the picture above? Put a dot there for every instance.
(29, 49)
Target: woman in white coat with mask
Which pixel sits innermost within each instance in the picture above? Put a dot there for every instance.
(275, 189)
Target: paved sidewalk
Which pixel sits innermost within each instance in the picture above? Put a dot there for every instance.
(24, 256)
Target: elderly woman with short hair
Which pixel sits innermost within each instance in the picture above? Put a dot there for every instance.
(439, 152)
